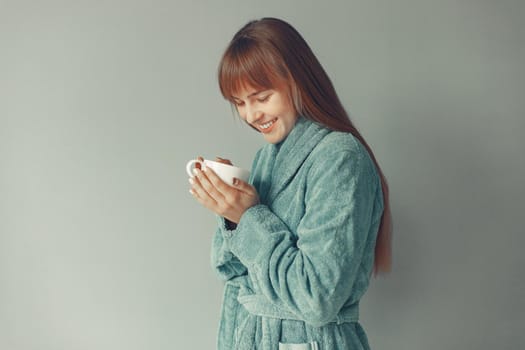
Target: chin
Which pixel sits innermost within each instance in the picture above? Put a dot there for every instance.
(271, 140)
(276, 136)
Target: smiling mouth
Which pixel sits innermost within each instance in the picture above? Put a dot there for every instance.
(267, 127)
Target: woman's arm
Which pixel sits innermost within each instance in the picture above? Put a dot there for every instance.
(223, 199)
(223, 261)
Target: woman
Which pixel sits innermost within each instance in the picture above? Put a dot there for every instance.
(297, 246)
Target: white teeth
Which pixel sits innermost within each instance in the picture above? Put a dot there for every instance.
(266, 125)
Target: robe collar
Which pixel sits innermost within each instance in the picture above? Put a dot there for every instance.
(291, 153)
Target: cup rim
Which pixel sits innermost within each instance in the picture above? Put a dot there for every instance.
(229, 165)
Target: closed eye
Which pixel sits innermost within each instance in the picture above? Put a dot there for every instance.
(264, 99)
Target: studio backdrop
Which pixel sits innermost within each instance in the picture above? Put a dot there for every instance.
(102, 103)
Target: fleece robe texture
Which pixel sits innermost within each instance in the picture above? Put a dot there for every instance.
(298, 263)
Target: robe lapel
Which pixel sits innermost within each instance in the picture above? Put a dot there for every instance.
(292, 153)
(262, 178)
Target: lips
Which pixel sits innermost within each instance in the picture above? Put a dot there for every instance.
(268, 126)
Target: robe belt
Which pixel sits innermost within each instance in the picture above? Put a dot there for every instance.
(259, 306)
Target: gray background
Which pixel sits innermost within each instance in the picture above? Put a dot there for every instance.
(103, 102)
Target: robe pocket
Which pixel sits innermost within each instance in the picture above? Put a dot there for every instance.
(313, 345)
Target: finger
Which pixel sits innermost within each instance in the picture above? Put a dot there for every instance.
(244, 186)
(208, 185)
(198, 165)
(223, 161)
(221, 186)
(194, 186)
(193, 192)
(200, 193)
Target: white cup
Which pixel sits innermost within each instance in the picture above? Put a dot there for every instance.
(225, 171)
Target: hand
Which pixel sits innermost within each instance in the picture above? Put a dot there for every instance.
(227, 201)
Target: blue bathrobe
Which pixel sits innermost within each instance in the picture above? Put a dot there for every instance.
(298, 263)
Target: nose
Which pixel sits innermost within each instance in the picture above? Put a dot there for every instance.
(252, 114)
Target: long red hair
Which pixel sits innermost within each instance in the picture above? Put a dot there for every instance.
(268, 51)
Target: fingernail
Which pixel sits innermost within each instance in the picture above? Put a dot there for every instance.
(191, 181)
(195, 171)
(235, 181)
(204, 168)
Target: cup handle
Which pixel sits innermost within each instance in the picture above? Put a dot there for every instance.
(190, 165)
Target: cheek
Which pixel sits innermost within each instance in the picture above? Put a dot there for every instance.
(241, 113)
(285, 107)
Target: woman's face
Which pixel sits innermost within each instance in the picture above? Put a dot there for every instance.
(270, 111)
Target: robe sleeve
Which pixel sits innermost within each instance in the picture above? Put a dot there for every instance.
(312, 274)
(226, 265)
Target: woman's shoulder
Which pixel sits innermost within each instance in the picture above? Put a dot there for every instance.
(340, 142)
(343, 148)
